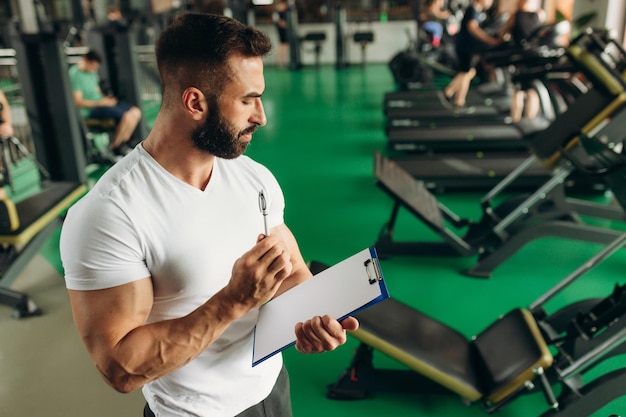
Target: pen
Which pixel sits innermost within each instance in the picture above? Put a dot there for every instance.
(263, 208)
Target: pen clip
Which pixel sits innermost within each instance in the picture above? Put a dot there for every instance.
(262, 203)
(375, 276)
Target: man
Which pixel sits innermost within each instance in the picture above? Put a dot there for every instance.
(165, 259)
(92, 103)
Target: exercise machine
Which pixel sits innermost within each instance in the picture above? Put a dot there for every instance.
(26, 224)
(423, 129)
(482, 171)
(570, 144)
(525, 350)
(24, 227)
(479, 163)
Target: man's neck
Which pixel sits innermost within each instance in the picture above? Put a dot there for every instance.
(175, 152)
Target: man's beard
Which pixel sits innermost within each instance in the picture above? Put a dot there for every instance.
(220, 138)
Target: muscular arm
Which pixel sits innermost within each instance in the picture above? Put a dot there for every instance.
(300, 271)
(129, 353)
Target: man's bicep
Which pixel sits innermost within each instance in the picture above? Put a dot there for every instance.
(300, 272)
(104, 317)
(78, 97)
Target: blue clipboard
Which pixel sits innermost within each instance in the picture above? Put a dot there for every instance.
(339, 291)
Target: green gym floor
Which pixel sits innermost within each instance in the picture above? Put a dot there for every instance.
(323, 128)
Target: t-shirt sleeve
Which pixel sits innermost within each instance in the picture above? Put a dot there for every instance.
(100, 247)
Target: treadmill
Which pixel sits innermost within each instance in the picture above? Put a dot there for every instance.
(556, 85)
(466, 137)
(483, 171)
(432, 104)
(441, 109)
(470, 167)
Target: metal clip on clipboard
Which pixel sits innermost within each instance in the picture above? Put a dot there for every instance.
(373, 271)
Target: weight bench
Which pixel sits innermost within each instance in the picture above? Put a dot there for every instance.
(512, 356)
(474, 369)
(24, 227)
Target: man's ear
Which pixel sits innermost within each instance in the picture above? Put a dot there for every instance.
(195, 103)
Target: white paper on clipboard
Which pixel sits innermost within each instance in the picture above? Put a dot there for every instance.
(339, 291)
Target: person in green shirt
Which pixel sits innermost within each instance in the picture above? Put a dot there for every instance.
(93, 104)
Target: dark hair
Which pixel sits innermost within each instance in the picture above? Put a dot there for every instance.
(194, 49)
(93, 56)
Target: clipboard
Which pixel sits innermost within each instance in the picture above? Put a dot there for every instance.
(339, 291)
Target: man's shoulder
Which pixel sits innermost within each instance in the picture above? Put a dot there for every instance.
(74, 70)
(76, 75)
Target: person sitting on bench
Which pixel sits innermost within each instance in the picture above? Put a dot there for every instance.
(93, 104)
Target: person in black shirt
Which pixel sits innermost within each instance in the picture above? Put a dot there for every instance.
(520, 26)
(467, 41)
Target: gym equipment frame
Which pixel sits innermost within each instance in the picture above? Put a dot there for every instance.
(597, 116)
(24, 227)
(510, 357)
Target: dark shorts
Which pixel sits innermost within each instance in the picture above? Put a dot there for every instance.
(277, 404)
(466, 61)
(282, 34)
(115, 112)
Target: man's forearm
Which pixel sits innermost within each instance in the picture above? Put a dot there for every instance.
(89, 104)
(157, 349)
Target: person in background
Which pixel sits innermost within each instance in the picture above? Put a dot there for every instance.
(6, 126)
(467, 41)
(93, 104)
(166, 259)
(280, 20)
(6, 130)
(431, 15)
(520, 26)
(115, 19)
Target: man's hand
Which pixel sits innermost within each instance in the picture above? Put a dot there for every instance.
(108, 102)
(321, 334)
(494, 41)
(258, 274)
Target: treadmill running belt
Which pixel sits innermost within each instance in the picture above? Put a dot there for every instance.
(480, 171)
(496, 132)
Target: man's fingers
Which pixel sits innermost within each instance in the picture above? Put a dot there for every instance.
(320, 334)
(350, 324)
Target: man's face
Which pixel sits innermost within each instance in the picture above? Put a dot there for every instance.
(91, 66)
(236, 114)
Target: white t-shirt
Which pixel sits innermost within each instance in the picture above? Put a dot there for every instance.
(140, 221)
